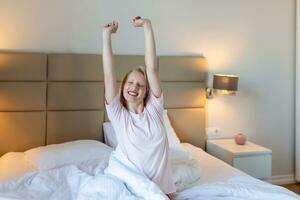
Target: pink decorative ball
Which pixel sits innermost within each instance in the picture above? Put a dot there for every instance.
(240, 139)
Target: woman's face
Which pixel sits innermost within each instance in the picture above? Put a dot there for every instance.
(135, 87)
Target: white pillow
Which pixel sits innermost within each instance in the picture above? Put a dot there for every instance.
(177, 152)
(75, 152)
(13, 165)
(109, 135)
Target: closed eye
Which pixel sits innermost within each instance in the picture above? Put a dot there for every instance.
(141, 86)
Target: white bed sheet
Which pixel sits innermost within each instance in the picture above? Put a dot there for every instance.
(211, 168)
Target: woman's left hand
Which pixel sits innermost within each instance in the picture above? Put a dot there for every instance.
(171, 196)
(137, 21)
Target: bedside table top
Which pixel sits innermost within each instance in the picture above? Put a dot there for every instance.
(247, 149)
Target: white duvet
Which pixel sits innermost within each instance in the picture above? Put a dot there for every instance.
(82, 183)
(237, 188)
(87, 181)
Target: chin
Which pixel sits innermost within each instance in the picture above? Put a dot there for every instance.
(128, 98)
(132, 99)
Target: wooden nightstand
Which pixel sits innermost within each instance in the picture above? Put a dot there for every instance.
(253, 159)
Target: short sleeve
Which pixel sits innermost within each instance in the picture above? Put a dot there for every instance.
(157, 102)
(115, 109)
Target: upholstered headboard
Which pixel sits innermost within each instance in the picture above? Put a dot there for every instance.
(53, 98)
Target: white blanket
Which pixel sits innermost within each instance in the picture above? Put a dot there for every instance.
(81, 183)
(185, 173)
(110, 187)
(74, 182)
(237, 188)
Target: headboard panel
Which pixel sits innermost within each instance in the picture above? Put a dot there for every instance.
(46, 99)
(75, 67)
(22, 96)
(125, 63)
(184, 94)
(22, 101)
(184, 81)
(189, 124)
(20, 131)
(63, 126)
(23, 67)
(183, 68)
(75, 97)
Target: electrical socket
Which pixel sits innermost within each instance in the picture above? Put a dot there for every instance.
(213, 132)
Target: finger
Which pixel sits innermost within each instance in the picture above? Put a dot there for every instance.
(135, 18)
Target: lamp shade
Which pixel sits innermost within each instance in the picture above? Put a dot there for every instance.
(225, 82)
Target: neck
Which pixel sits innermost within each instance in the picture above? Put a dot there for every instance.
(135, 107)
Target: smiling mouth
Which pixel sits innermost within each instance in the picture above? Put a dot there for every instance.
(134, 94)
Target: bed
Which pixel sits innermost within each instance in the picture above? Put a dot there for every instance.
(52, 108)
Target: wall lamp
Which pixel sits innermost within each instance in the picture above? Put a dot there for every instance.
(223, 84)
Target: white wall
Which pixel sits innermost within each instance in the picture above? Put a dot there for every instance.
(297, 103)
(254, 39)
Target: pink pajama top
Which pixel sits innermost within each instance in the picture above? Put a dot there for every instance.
(142, 140)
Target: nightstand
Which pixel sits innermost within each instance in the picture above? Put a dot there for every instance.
(251, 158)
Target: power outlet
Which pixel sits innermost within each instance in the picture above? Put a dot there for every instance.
(213, 132)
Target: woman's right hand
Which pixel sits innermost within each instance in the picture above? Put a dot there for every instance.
(111, 27)
(138, 21)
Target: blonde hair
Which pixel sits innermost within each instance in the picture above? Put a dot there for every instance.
(141, 70)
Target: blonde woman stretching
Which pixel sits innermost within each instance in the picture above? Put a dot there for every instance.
(136, 112)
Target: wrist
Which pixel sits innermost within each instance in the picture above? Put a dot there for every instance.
(147, 23)
(106, 35)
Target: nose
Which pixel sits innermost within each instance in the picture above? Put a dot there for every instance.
(135, 87)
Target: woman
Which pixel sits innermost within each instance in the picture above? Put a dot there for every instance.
(137, 112)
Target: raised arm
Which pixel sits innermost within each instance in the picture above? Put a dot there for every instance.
(110, 80)
(150, 55)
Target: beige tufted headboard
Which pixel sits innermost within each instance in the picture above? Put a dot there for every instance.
(53, 98)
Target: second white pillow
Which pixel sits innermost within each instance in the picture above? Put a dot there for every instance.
(75, 152)
(177, 152)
